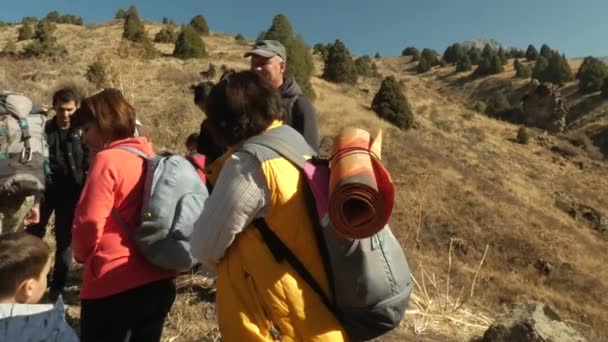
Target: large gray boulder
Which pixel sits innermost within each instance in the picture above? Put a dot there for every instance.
(531, 322)
(544, 107)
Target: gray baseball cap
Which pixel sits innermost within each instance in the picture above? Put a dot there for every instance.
(268, 48)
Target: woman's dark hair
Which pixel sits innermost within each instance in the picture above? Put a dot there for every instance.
(22, 256)
(114, 116)
(242, 105)
(201, 92)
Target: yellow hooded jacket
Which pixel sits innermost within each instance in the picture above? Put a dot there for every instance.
(259, 299)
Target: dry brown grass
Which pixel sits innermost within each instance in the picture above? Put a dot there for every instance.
(460, 181)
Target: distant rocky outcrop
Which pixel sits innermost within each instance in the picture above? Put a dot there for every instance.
(530, 322)
(481, 43)
(581, 212)
(544, 107)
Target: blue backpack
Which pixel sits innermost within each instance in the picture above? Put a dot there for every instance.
(174, 196)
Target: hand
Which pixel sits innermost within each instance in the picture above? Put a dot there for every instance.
(34, 215)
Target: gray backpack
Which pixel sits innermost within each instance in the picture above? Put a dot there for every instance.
(370, 278)
(23, 147)
(174, 196)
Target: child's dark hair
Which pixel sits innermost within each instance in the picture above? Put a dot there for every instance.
(192, 139)
(22, 256)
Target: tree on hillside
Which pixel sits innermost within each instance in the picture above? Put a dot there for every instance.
(454, 53)
(487, 51)
(430, 55)
(31, 20)
(339, 66)
(490, 64)
(498, 104)
(25, 32)
(591, 75)
(503, 56)
(522, 70)
(555, 69)
(377, 55)
(522, 137)
(411, 51)
(559, 71)
(366, 67)
(189, 44)
(474, 54)
(120, 14)
(240, 38)
(166, 35)
(70, 19)
(605, 88)
(280, 30)
(134, 29)
(516, 53)
(200, 25)
(428, 59)
(539, 68)
(45, 43)
(464, 64)
(546, 51)
(531, 53)
(53, 16)
(44, 31)
(321, 49)
(390, 104)
(423, 66)
(299, 59)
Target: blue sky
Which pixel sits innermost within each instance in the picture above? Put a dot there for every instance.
(577, 28)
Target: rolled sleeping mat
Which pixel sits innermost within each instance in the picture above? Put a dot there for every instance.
(361, 192)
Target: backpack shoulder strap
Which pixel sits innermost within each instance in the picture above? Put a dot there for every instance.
(123, 224)
(281, 253)
(280, 140)
(133, 150)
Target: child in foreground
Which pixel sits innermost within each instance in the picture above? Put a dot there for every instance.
(25, 261)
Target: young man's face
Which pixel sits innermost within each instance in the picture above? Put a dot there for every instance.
(63, 113)
(271, 68)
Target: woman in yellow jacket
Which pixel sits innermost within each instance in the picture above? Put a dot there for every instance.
(258, 298)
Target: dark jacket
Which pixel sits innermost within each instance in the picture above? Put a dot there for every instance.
(68, 162)
(299, 112)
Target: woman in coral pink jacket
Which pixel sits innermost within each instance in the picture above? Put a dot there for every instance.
(122, 294)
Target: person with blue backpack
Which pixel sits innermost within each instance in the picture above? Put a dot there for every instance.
(124, 296)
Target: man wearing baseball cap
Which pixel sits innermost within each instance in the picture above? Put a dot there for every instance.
(269, 59)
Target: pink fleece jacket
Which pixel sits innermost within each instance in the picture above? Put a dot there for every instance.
(112, 263)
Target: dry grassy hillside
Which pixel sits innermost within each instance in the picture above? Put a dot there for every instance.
(473, 207)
